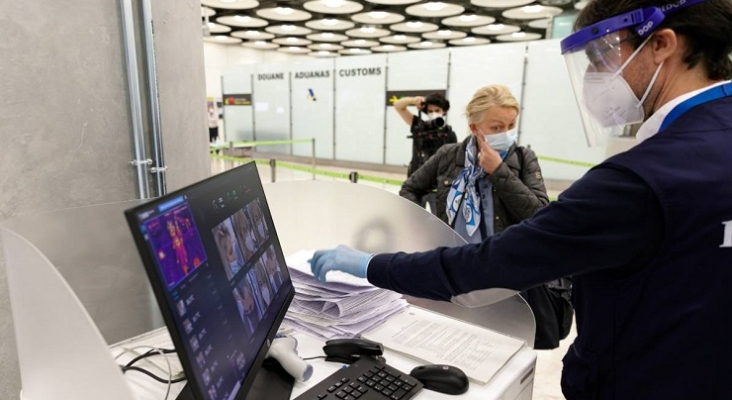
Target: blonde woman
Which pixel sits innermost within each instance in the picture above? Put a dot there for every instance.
(486, 184)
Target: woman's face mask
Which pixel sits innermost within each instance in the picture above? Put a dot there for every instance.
(501, 142)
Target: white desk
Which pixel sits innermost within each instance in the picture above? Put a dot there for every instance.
(514, 381)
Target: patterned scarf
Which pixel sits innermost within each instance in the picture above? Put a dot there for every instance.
(465, 183)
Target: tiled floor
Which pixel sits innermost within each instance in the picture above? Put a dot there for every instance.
(549, 362)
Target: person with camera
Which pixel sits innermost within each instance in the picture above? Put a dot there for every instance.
(427, 135)
(479, 200)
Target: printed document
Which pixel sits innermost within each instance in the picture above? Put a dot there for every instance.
(437, 339)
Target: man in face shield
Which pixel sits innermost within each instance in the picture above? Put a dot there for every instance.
(647, 234)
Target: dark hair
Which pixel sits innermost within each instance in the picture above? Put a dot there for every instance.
(706, 26)
(437, 99)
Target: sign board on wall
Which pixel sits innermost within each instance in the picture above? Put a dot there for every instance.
(313, 102)
(242, 99)
(271, 83)
(359, 117)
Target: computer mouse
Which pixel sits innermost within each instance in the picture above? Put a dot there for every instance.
(442, 378)
(350, 350)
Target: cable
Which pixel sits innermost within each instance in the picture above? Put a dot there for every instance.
(313, 358)
(151, 349)
(149, 353)
(153, 376)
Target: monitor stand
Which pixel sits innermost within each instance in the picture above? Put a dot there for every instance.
(272, 383)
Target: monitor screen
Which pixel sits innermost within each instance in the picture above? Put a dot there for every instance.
(218, 272)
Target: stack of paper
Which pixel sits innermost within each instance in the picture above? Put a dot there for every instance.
(345, 306)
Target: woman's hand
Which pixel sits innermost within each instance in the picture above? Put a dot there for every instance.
(489, 159)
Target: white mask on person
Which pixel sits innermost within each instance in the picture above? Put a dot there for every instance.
(610, 99)
(501, 141)
(434, 115)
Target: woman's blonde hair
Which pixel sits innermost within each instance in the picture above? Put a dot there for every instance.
(486, 98)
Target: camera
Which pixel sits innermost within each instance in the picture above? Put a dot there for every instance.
(427, 136)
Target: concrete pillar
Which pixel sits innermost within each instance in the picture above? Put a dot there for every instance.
(65, 130)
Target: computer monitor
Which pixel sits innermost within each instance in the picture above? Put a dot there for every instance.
(216, 266)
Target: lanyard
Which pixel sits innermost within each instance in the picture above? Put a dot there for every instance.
(712, 94)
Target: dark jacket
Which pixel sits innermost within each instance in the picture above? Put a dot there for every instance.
(518, 186)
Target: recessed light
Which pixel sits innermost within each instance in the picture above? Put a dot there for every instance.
(326, 35)
(445, 32)
(468, 18)
(333, 3)
(360, 41)
(532, 9)
(242, 18)
(495, 27)
(435, 6)
(324, 53)
(325, 45)
(253, 33)
(284, 10)
(291, 40)
(426, 44)
(222, 37)
(260, 43)
(400, 37)
(294, 48)
(228, 1)
(414, 24)
(469, 39)
(368, 29)
(288, 28)
(329, 22)
(388, 47)
(518, 34)
(377, 14)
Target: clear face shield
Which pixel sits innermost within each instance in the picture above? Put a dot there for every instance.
(596, 57)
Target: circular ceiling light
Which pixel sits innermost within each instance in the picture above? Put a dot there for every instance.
(444, 34)
(288, 29)
(531, 12)
(368, 32)
(222, 39)
(294, 50)
(518, 37)
(218, 28)
(360, 43)
(325, 47)
(355, 51)
(207, 12)
(330, 24)
(388, 48)
(393, 2)
(283, 14)
(580, 5)
(469, 41)
(231, 5)
(540, 23)
(427, 44)
(242, 21)
(333, 6)
(400, 39)
(435, 9)
(495, 29)
(292, 41)
(500, 3)
(377, 18)
(414, 27)
(327, 37)
(253, 35)
(260, 45)
(324, 54)
(468, 21)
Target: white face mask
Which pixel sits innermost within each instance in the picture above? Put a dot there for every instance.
(609, 98)
(501, 141)
(434, 115)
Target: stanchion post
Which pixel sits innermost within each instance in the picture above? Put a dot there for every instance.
(353, 177)
(273, 166)
(313, 158)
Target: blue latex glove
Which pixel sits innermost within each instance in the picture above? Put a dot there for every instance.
(342, 258)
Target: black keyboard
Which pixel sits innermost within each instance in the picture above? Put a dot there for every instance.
(365, 379)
